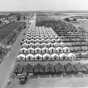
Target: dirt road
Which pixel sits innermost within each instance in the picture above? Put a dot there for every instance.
(9, 61)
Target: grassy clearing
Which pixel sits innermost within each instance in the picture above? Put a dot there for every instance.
(8, 35)
(9, 31)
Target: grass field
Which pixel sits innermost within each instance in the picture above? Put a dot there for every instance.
(8, 35)
(10, 28)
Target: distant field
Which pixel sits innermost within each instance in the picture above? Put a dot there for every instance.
(56, 15)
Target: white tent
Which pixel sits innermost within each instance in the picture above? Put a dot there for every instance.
(31, 50)
(72, 56)
(66, 49)
(20, 57)
(52, 50)
(59, 49)
(55, 56)
(45, 50)
(63, 56)
(29, 57)
(46, 57)
(38, 50)
(38, 57)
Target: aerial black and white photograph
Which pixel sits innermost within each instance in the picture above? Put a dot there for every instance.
(43, 43)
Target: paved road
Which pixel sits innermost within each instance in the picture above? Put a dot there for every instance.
(9, 61)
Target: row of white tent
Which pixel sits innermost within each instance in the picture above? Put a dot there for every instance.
(41, 32)
(44, 50)
(46, 57)
(29, 39)
(54, 50)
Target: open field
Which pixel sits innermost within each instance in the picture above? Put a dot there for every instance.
(9, 31)
(8, 35)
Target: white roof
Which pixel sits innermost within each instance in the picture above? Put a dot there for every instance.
(71, 55)
(63, 54)
(62, 44)
(53, 55)
(36, 55)
(23, 49)
(37, 43)
(30, 48)
(51, 48)
(56, 44)
(59, 48)
(37, 48)
(25, 44)
(46, 55)
(44, 48)
(29, 55)
(21, 55)
(66, 48)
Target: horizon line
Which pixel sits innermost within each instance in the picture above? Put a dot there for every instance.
(71, 11)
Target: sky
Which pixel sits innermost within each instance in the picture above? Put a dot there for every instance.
(59, 5)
